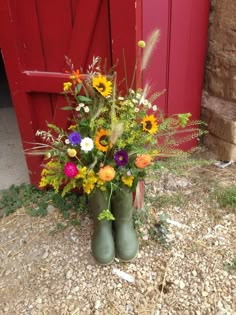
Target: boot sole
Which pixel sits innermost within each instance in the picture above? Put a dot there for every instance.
(105, 264)
(130, 260)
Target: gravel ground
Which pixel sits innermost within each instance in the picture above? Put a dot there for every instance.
(47, 274)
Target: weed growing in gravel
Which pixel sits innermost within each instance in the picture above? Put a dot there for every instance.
(36, 202)
(160, 230)
(161, 201)
(226, 197)
(230, 266)
(181, 164)
(27, 196)
(157, 229)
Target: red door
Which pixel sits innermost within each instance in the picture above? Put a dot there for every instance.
(179, 60)
(35, 37)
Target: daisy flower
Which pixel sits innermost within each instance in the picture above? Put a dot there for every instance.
(86, 144)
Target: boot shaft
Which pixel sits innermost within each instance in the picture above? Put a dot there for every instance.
(97, 202)
(122, 204)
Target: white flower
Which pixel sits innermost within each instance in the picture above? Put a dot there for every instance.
(154, 108)
(120, 98)
(149, 105)
(138, 96)
(131, 91)
(86, 144)
(67, 141)
(136, 110)
(134, 101)
(145, 102)
(86, 109)
(78, 108)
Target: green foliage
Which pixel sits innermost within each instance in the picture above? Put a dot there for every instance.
(162, 201)
(157, 230)
(36, 202)
(230, 266)
(24, 195)
(160, 230)
(180, 164)
(106, 215)
(226, 197)
(71, 202)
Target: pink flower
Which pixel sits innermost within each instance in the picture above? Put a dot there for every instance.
(70, 170)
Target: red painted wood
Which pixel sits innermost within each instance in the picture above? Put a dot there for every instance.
(157, 15)
(189, 27)
(43, 81)
(55, 22)
(123, 18)
(31, 54)
(20, 99)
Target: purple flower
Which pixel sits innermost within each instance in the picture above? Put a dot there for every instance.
(74, 138)
(121, 158)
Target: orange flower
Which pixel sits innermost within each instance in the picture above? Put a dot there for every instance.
(106, 173)
(143, 160)
(76, 76)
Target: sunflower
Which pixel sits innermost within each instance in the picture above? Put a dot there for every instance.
(149, 123)
(102, 140)
(102, 85)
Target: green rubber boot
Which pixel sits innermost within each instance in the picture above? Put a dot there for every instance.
(125, 236)
(103, 248)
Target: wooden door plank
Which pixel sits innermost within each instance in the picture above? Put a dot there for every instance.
(189, 27)
(55, 27)
(123, 21)
(31, 54)
(158, 16)
(21, 102)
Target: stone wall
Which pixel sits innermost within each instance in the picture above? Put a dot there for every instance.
(221, 58)
(219, 102)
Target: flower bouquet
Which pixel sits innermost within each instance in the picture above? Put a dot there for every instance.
(112, 140)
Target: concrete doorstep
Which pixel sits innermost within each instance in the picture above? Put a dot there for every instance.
(13, 168)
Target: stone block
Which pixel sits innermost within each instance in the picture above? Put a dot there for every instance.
(222, 149)
(220, 116)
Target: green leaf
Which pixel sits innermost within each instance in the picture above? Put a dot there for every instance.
(106, 215)
(85, 99)
(67, 108)
(78, 88)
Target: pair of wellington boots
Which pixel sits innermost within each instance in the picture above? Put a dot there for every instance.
(113, 238)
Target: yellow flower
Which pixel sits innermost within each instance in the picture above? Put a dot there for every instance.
(127, 180)
(82, 172)
(71, 152)
(106, 173)
(102, 140)
(101, 184)
(67, 86)
(72, 127)
(88, 184)
(149, 123)
(102, 85)
(141, 44)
